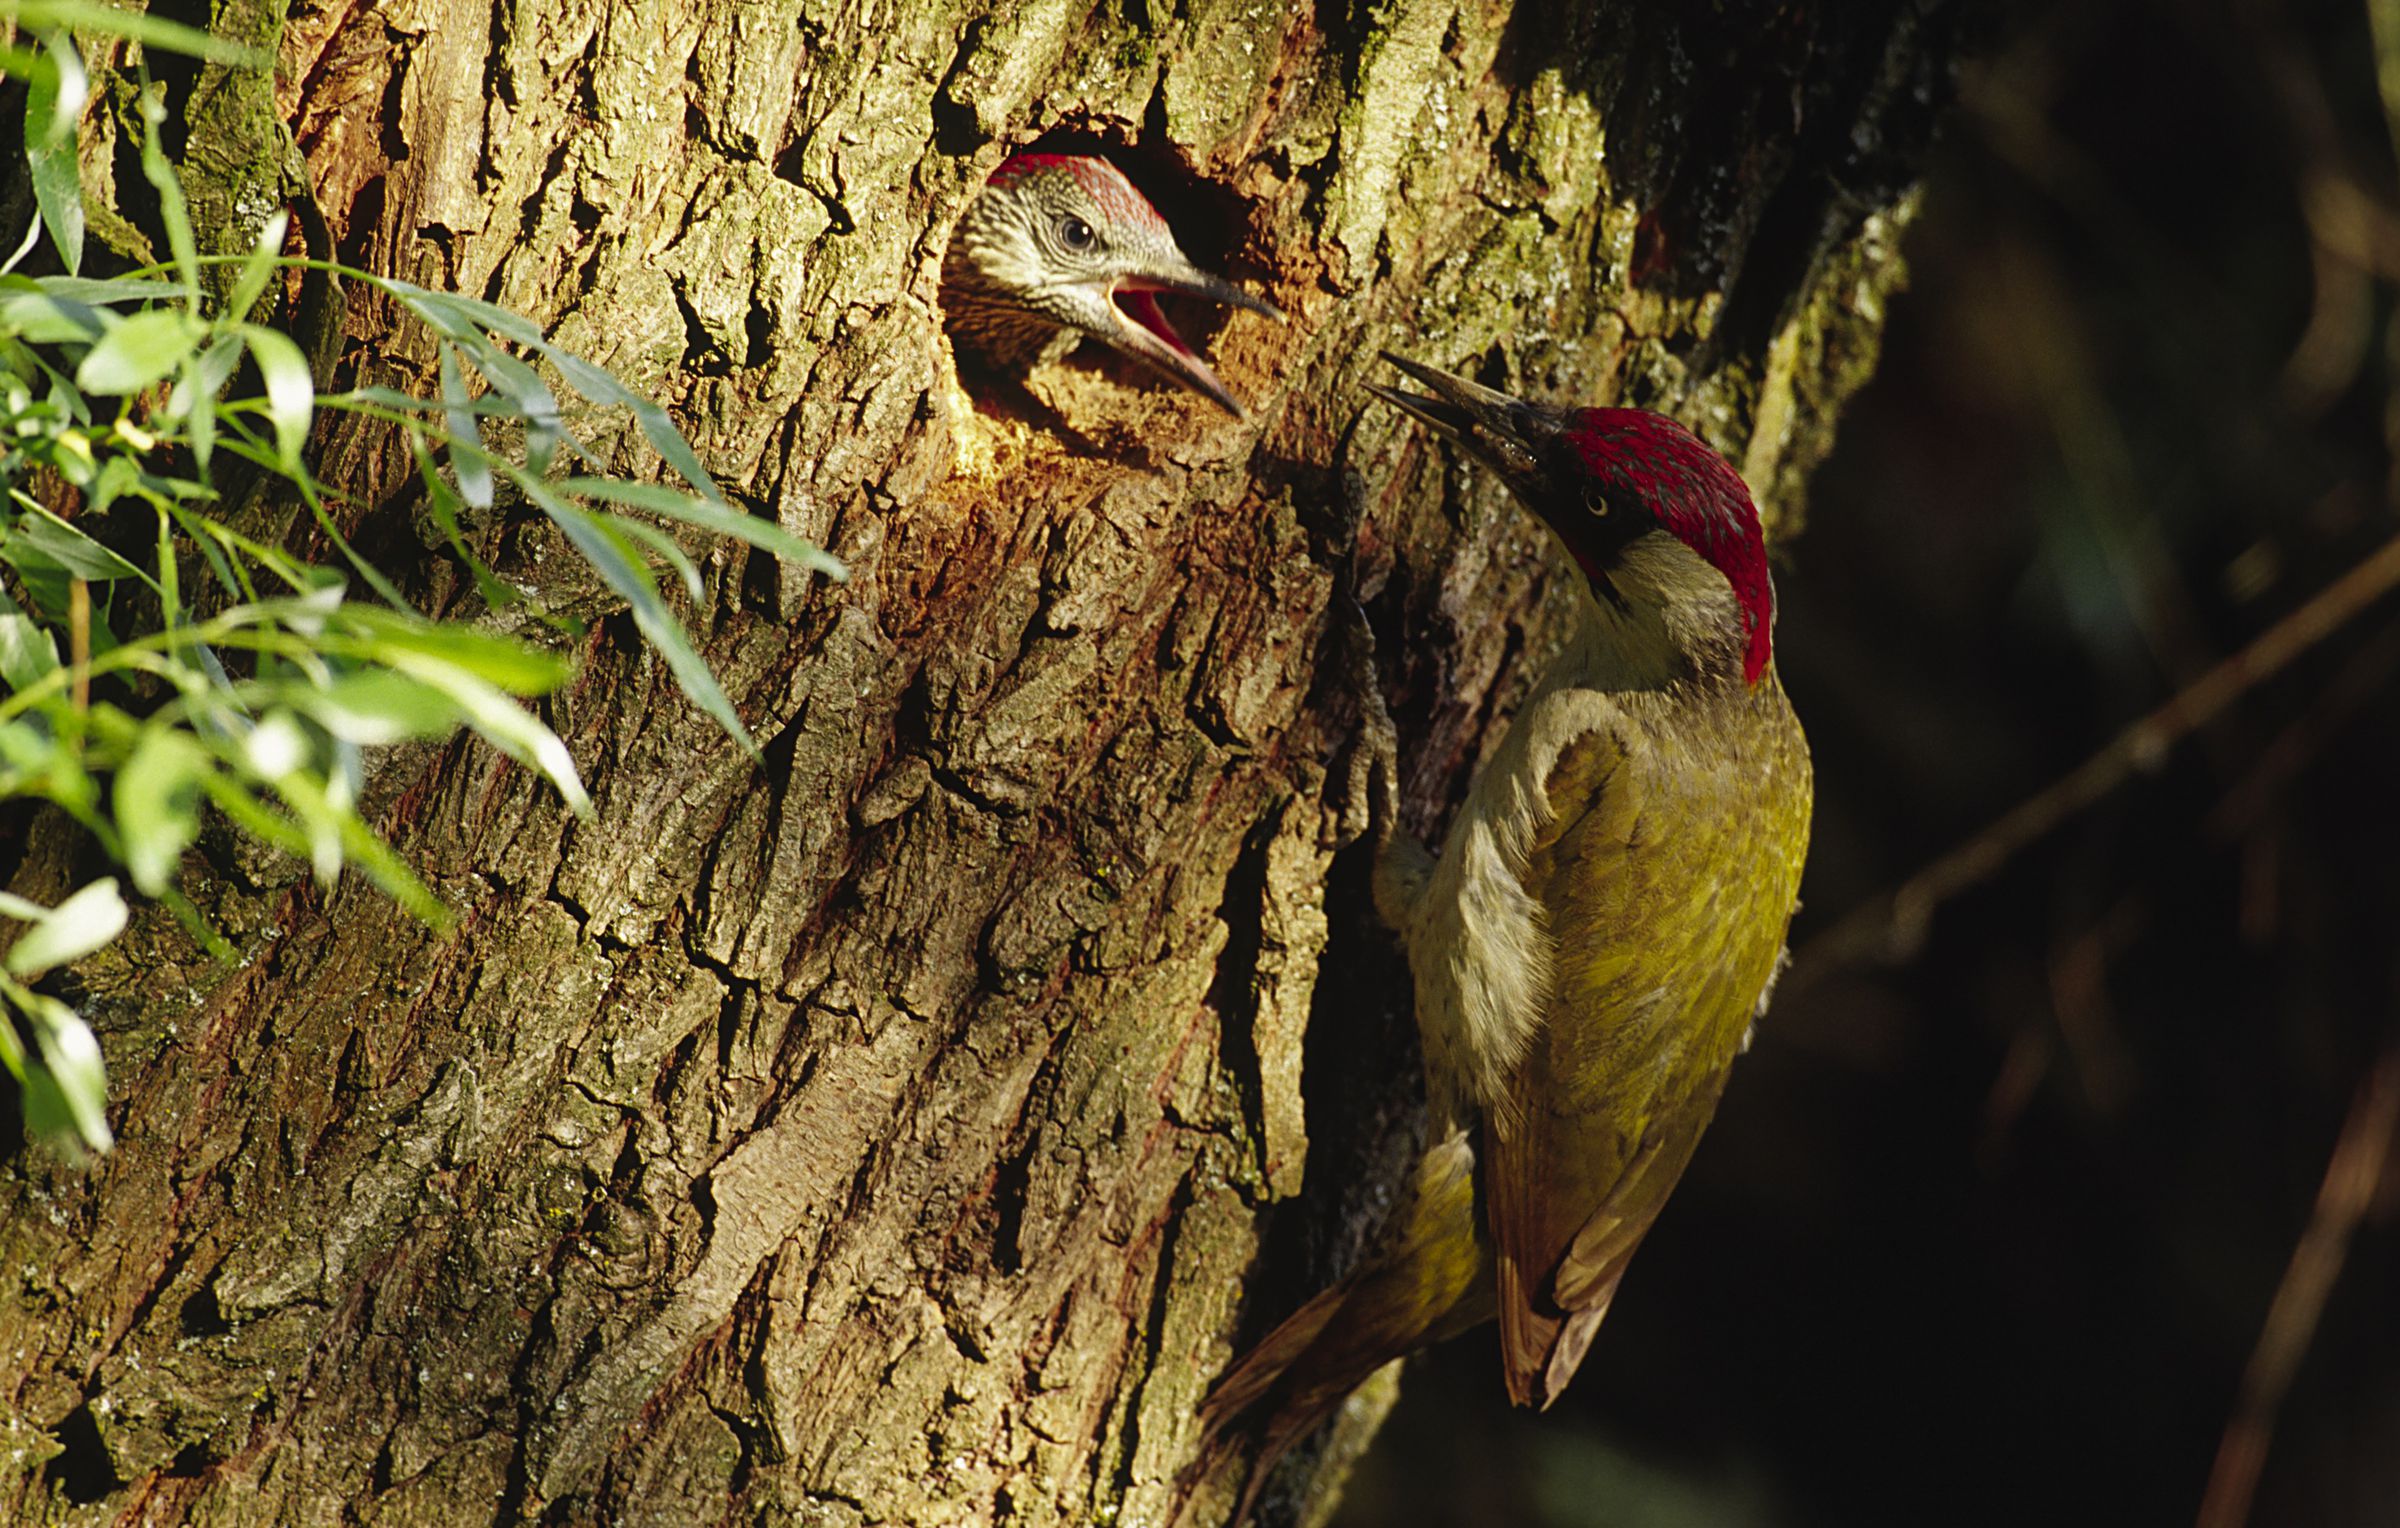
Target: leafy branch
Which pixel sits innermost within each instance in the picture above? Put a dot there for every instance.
(208, 670)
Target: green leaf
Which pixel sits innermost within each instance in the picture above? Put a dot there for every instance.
(71, 1060)
(27, 649)
(599, 385)
(462, 317)
(501, 661)
(62, 89)
(170, 575)
(482, 406)
(117, 474)
(709, 515)
(162, 178)
(49, 1118)
(320, 820)
(137, 351)
(88, 16)
(71, 930)
(443, 503)
(467, 457)
(665, 546)
(158, 804)
(276, 747)
(199, 528)
(64, 395)
(29, 747)
(47, 584)
(377, 708)
(462, 321)
(525, 389)
(390, 872)
(97, 289)
(53, 99)
(252, 816)
(257, 267)
(309, 611)
(12, 1057)
(44, 317)
(198, 407)
(290, 393)
(68, 547)
(390, 398)
(215, 367)
(194, 399)
(502, 723)
(604, 547)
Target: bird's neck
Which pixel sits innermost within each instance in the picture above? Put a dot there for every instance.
(1659, 620)
(999, 331)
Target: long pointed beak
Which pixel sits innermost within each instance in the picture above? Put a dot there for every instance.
(1142, 331)
(1505, 434)
(1191, 281)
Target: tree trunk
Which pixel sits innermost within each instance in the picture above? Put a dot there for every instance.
(908, 1127)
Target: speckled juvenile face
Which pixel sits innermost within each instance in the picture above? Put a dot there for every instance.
(1052, 220)
(1064, 240)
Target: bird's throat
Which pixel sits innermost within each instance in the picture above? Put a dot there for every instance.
(1142, 307)
(1655, 617)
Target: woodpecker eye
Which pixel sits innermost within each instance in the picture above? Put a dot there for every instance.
(1075, 233)
(1595, 499)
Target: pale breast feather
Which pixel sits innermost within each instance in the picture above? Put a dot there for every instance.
(1478, 944)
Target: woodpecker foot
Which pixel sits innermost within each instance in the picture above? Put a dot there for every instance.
(1368, 802)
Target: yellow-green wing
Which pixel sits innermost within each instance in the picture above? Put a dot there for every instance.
(1667, 877)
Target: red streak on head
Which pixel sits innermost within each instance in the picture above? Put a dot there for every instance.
(1697, 497)
(1119, 203)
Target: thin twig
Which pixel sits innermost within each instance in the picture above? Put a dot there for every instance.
(1892, 927)
(2364, 679)
(2352, 1175)
(79, 639)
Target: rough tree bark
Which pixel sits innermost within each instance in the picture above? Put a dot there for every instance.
(907, 1129)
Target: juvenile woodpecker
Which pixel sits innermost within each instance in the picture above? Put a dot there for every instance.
(1060, 248)
(1602, 926)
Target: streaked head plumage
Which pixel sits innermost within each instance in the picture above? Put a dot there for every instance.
(1065, 241)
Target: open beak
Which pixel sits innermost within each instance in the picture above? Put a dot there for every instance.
(1504, 434)
(1142, 330)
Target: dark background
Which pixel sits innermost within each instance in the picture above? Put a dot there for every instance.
(1989, 1233)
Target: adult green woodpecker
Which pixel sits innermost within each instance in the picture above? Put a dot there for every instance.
(1060, 248)
(1602, 927)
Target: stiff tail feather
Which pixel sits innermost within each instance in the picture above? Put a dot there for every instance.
(1552, 1297)
(1429, 1278)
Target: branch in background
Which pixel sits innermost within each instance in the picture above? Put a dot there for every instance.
(2352, 1176)
(1892, 928)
